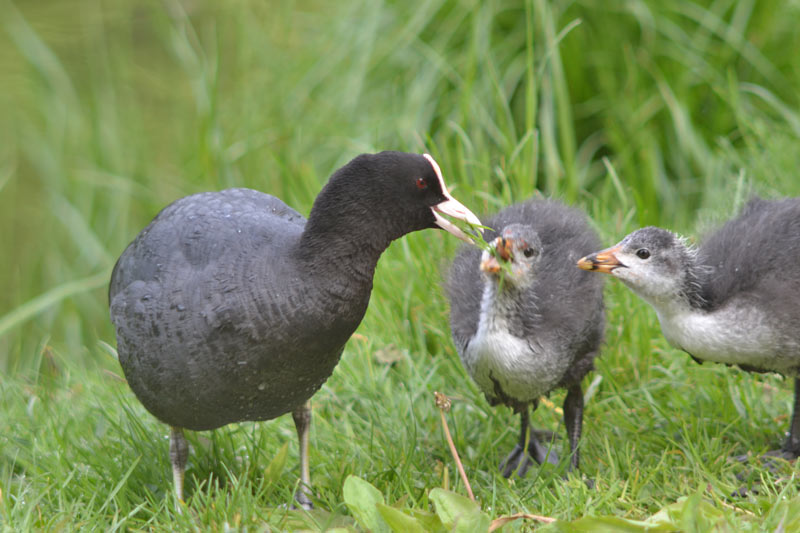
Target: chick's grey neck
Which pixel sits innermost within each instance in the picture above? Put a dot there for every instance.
(502, 306)
(692, 288)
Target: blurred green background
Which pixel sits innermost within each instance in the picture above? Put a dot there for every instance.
(111, 109)
(666, 112)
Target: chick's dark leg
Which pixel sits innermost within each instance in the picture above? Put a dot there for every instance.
(302, 422)
(789, 451)
(539, 451)
(791, 447)
(520, 461)
(573, 419)
(178, 454)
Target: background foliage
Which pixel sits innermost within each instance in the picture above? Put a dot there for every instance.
(640, 111)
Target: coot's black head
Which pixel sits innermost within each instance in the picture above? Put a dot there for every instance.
(513, 256)
(653, 262)
(393, 193)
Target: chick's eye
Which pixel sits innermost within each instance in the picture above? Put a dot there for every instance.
(529, 252)
(422, 184)
(642, 253)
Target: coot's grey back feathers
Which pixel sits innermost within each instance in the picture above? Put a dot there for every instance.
(229, 306)
(202, 227)
(756, 253)
(197, 284)
(561, 292)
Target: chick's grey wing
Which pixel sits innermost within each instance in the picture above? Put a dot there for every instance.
(757, 252)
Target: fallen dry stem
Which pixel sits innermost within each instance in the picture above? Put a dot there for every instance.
(503, 520)
(443, 403)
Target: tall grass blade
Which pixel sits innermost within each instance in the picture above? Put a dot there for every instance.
(50, 298)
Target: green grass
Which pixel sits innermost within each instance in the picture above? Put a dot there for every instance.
(641, 112)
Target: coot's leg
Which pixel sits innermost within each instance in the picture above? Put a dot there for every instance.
(178, 454)
(512, 462)
(302, 422)
(573, 418)
(792, 445)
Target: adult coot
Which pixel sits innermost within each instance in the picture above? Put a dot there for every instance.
(525, 321)
(230, 306)
(734, 300)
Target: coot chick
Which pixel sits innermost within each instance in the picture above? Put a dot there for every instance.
(230, 306)
(525, 321)
(733, 300)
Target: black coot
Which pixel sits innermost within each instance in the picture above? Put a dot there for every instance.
(733, 300)
(525, 321)
(229, 306)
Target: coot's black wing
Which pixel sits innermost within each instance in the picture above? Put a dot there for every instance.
(189, 325)
(202, 227)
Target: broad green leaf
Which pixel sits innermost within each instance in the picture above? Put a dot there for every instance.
(275, 467)
(671, 514)
(450, 505)
(399, 521)
(701, 516)
(311, 521)
(476, 522)
(362, 500)
(428, 520)
(691, 514)
(459, 513)
(785, 514)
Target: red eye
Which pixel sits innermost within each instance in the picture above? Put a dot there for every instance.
(422, 184)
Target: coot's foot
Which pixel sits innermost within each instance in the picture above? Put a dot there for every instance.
(744, 492)
(770, 460)
(786, 455)
(302, 501)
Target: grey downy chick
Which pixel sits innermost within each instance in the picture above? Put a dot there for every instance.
(524, 323)
(732, 300)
